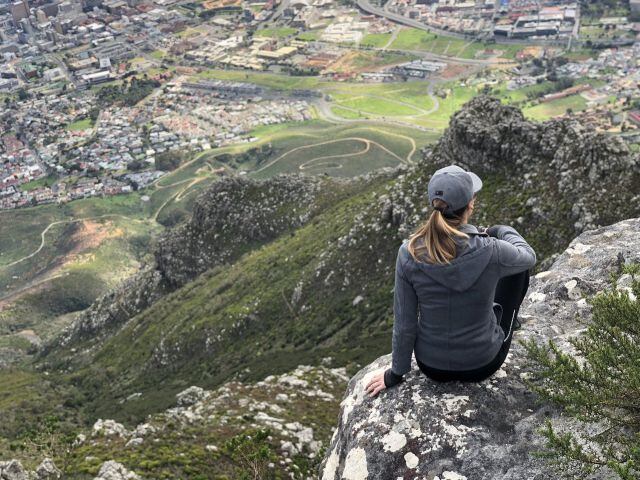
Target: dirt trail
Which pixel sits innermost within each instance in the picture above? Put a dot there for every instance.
(366, 141)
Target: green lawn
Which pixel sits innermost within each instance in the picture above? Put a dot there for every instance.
(158, 54)
(399, 99)
(309, 36)
(82, 124)
(414, 39)
(376, 40)
(348, 114)
(545, 111)
(383, 107)
(271, 80)
(41, 182)
(275, 32)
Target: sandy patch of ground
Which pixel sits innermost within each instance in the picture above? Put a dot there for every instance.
(453, 70)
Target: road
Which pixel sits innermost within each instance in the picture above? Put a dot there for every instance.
(281, 8)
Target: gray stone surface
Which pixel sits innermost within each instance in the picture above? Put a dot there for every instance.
(487, 430)
(47, 470)
(13, 470)
(111, 470)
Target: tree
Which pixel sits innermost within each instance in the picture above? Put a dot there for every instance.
(251, 453)
(599, 384)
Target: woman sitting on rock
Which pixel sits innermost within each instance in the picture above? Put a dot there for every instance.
(457, 289)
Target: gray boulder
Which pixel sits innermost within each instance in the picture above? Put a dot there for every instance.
(111, 470)
(13, 470)
(47, 470)
(488, 430)
(191, 396)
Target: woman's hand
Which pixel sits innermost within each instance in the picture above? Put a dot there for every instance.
(376, 385)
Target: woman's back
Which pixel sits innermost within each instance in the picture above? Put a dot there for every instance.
(457, 327)
(452, 284)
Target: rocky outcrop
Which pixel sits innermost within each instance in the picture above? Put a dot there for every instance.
(229, 218)
(13, 470)
(486, 430)
(575, 174)
(111, 470)
(47, 470)
(232, 216)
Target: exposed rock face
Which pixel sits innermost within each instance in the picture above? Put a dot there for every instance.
(115, 471)
(47, 470)
(13, 470)
(232, 214)
(590, 177)
(487, 430)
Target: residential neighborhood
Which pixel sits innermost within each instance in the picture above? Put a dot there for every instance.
(93, 91)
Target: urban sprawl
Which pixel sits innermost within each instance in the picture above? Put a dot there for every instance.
(98, 96)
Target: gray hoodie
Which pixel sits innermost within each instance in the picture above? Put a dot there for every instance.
(445, 312)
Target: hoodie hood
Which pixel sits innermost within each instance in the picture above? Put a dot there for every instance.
(464, 270)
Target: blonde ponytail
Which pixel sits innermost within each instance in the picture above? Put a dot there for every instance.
(438, 234)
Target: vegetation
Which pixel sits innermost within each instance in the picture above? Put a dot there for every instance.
(170, 160)
(82, 124)
(598, 384)
(376, 40)
(554, 108)
(275, 32)
(128, 93)
(39, 183)
(413, 39)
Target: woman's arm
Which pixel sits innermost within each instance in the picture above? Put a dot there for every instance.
(515, 255)
(405, 328)
(405, 325)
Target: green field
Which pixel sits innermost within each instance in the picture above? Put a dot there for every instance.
(83, 124)
(275, 32)
(413, 39)
(309, 36)
(158, 54)
(41, 182)
(544, 111)
(320, 147)
(376, 40)
(341, 151)
(271, 80)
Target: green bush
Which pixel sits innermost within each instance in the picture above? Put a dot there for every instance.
(250, 452)
(599, 385)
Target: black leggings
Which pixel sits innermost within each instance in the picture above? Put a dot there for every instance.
(510, 293)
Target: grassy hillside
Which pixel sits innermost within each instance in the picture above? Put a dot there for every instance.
(270, 275)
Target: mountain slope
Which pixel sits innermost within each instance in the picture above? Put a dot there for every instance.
(323, 285)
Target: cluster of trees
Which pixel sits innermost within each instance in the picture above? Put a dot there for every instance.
(256, 154)
(170, 160)
(556, 86)
(128, 93)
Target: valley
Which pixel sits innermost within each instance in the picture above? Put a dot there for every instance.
(201, 204)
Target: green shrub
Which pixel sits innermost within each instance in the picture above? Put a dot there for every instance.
(599, 385)
(251, 453)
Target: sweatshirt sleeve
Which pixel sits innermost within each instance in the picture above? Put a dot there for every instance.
(405, 325)
(515, 255)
